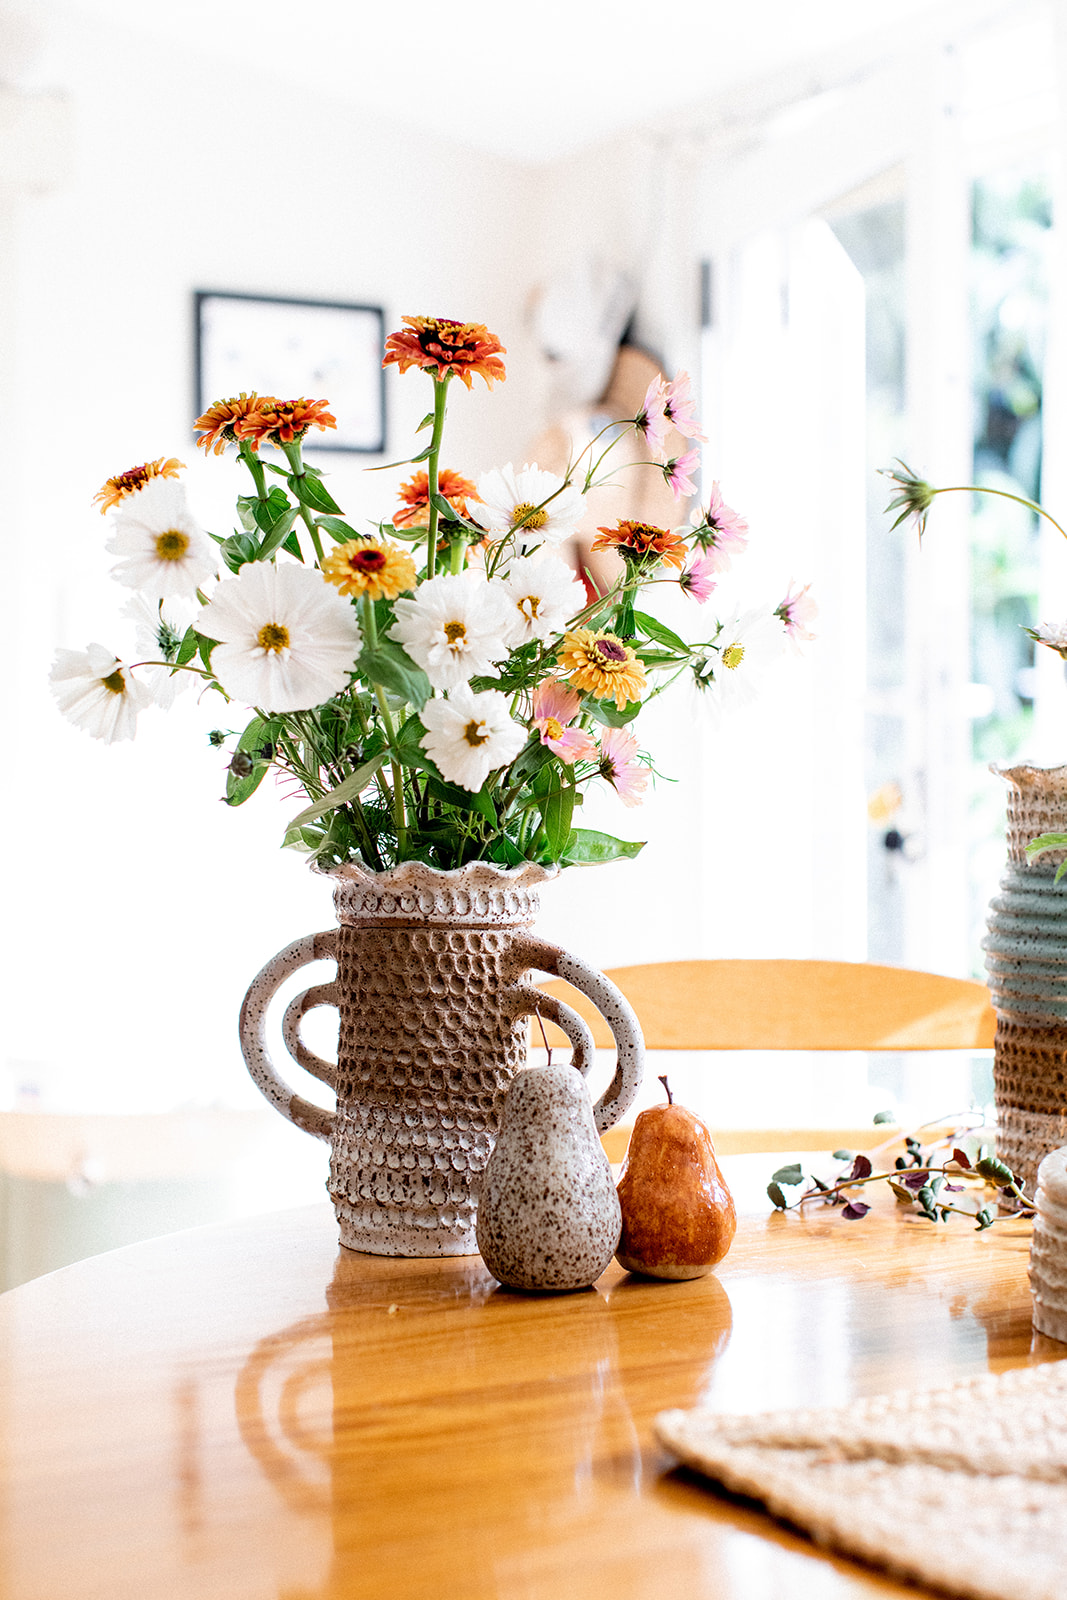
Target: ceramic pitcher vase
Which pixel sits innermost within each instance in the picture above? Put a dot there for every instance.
(1026, 959)
(435, 997)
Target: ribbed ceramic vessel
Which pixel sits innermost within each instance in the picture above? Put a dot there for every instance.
(1048, 1248)
(434, 989)
(1026, 961)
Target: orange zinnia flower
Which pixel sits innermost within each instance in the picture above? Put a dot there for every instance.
(415, 512)
(218, 425)
(282, 421)
(636, 540)
(379, 570)
(126, 483)
(444, 347)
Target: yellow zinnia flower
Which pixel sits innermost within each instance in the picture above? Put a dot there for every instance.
(600, 664)
(367, 566)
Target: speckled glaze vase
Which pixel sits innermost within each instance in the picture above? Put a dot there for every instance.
(1026, 959)
(434, 992)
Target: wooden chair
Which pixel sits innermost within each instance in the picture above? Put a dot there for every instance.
(789, 1005)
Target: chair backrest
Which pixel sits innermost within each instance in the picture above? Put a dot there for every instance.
(791, 1005)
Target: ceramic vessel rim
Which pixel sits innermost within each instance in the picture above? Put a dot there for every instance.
(417, 875)
(1024, 772)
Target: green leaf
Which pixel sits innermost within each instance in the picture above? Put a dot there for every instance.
(238, 790)
(450, 514)
(275, 516)
(842, 1155)
(586, 847)
(409, 461)
(662, 635)
(655, 658)
(885, 1116)
(188, 647)
(606, 712)
(312, 492)
(337, 528)
(450, 794)
(775, 1194)
(389, 665)
(1046, 841)
(427, 422)
(350, 789)
(259, 736)
(555, 792)
(624, 626)
(205, 646)
(503, 851)
(246, 511)
(793, 1174)
(238, 549)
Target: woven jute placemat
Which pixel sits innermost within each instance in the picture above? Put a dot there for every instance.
(963, 1489)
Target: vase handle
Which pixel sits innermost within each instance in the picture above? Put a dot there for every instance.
(617, 1012)
(302, 1113)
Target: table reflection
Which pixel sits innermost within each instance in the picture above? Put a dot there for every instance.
(345, 1412)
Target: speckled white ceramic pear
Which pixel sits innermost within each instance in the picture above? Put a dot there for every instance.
(548, 1214)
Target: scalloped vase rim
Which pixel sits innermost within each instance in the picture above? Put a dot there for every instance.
(1017, 769)
(416, 874)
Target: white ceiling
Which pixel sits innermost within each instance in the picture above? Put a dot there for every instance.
(533, 83)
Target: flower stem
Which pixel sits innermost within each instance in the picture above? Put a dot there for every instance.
(440, 396)
(370, 633)
(255, 466)
(1004, 494)
(295, 457)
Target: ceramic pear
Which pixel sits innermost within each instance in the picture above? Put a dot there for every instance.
(678, 1216)
(548, 1213)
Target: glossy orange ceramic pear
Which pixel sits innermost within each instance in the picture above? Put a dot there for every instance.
(678, 1216)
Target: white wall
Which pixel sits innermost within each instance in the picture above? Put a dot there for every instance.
(138, 907)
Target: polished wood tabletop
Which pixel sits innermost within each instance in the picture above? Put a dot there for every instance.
(248, 1412)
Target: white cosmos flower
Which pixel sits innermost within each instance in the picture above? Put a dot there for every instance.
(455, 626)
(159, 629)
(287, 639)
(98, 693)
(163, 549)
(469, 735)
(508, 497)
(747, 643)
(543, 595)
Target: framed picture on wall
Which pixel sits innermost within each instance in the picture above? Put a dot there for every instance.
(313, 349)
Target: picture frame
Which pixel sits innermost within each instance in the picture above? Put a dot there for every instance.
(292, 347)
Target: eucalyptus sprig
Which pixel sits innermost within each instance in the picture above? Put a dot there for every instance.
(915, 1179)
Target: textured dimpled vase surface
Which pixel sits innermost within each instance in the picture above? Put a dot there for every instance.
(435, 993)
(1026, 960)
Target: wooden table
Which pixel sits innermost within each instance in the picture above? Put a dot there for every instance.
(247, 1412)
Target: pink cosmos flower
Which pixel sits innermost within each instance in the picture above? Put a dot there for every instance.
(724, 532)
(697, 578)
(651, 420)
(627, 776)
(554, 707)
(796, 611)
(679, 408)
(677, 470)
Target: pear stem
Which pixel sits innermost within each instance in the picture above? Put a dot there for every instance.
(667, 1089)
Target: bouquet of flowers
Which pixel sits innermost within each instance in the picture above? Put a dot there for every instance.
(443, 687)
